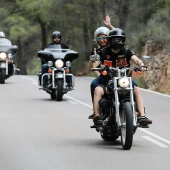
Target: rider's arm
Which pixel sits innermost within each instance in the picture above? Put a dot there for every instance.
(137, 61)
(107, 22)
(93, 65)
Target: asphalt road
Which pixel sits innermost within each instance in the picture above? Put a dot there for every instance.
(37, 133)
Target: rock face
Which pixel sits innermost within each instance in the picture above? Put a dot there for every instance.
(158, 76)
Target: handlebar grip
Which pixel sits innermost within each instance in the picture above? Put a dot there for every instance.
(95, 69)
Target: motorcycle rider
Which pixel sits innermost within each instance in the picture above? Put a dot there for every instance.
(3, 40)
(113, 52)
(56, 39)
(6, 42)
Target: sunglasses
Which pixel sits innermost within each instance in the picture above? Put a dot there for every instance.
(118, 40)
(56, 38)
(101, 38)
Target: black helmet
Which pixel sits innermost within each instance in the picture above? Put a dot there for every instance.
(118, 34)
(56, 34)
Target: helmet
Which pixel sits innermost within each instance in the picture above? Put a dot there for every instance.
(116, 44)
(56, 34)
(101, 30)
(2, 35)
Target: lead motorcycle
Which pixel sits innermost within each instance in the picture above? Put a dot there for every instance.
(7, 66)
(59, 62)
(118, 107)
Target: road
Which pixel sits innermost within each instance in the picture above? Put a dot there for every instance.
(37, 133)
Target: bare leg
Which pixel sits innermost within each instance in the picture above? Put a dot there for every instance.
(139, 101)
(98, 93)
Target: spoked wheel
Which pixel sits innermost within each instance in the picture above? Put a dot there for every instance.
(59, 89)
(126, 117)
(2, 76)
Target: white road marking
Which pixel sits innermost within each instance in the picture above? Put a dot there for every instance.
(35, 82)
(156, 136)
(155, 141)
(72, 102)
(79, 101)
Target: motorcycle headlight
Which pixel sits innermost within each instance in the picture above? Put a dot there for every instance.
(59, 63)
(3, 55)
(123, 82)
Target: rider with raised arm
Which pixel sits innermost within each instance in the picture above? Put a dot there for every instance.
(100, 36)
(118, 54)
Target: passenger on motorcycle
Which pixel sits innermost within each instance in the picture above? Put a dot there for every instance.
(115, 52)
(100, 36)
(56, 39)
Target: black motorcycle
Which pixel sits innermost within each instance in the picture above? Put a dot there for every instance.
(7, 66)
(118, 107)
(60, 80)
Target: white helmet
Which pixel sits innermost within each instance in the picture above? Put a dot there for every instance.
(101, 30)
(2, 35)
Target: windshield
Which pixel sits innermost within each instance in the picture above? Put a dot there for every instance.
(56, 48)
(5, 42)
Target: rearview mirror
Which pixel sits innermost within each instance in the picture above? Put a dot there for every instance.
(146, 58)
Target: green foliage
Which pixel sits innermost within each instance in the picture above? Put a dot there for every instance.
(29, 24)
(141, 82)
(34, 66)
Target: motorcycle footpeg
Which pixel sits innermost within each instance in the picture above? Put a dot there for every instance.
(94, 126)
(143, 126)
(100, 124)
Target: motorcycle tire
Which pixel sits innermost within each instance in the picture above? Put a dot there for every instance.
(59, 89)
(127, 131)
(2, 76)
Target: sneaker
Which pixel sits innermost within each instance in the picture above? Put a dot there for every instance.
(97, 120)
(91, 116)
(144, 121)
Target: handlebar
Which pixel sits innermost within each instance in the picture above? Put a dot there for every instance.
(138, 68)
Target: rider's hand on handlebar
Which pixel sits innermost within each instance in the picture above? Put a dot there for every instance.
(143, 68)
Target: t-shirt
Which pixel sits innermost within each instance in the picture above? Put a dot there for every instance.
(116, 60)
(120, 59)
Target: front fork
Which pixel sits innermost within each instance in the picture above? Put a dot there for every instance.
(4, 65)
(117, 103)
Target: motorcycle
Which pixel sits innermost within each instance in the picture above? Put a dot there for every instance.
(7, 66)
(59, 63)
(118, 107)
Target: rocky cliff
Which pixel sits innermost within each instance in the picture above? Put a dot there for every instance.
(158, 76)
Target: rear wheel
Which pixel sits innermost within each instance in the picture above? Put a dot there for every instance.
(59, 89)
(2, 76)
(126, 117)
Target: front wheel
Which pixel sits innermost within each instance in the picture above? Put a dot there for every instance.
(59, 89)
(126, 117)
(2, 76)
